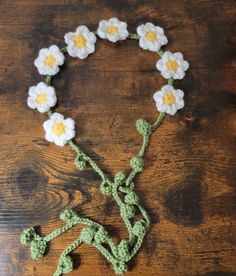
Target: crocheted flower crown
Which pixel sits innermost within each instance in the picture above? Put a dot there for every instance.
(61, 131)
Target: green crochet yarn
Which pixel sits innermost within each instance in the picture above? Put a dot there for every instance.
(131, 198)
(38, 248)
(127, 211)
(68, 215)
(123, 250)
(137, 164)
(106, 187)
(120, 177)
(120, 267)
(65, 264)
(80, 163)
(87, 234)
(37, 244)
(101, 235)
(27, 236)
(121, 189)
(139, 228)
(143, 127)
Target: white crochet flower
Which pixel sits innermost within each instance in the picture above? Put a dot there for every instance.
(80, 43)
(41, 97)
(59, 130)
(112, 29)
(169, 100)
(151, 37)
(49, 60)
(172, 65)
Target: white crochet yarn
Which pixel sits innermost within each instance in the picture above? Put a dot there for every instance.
(151, 37)
(81, 43)
(58, 129)
(41, 97)
(172, 65)
(112, 29)
(49, 60)
(169, 100)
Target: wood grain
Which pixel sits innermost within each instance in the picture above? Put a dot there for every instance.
(188, 186)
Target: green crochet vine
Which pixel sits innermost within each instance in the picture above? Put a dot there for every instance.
(121, 188)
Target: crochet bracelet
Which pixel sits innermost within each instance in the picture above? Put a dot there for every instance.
(61, 131)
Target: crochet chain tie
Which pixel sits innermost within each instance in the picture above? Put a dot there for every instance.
(122, 190)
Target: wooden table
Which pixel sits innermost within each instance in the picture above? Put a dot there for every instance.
(188, 186)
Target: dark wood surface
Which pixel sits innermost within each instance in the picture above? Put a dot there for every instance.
(188, 186)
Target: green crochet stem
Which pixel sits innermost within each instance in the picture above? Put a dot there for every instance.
(121, 188)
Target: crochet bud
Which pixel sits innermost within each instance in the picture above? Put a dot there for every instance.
(143, 127)
(137, 164)
(80, 163)
(131, 198)
(106, 188)
(66, 264)
(139, 228)
(101, 235)
(127, 211)
(38, 248)
(28, 235)
(120, 177)
(87, 234)
(123, 250)
(68, 215)
(120, 267)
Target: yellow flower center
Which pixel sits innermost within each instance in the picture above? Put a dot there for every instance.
(151, 36)
(172, 65)
(169, 98)
(80, 41)
(41, 98)
(50, 61)
(111, 30)
(58, 129)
